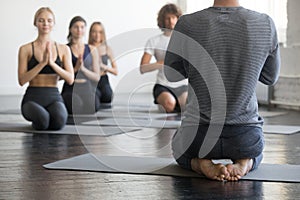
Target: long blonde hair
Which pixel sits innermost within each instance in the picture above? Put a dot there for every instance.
(103, 42)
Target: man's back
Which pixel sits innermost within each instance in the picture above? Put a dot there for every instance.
(239, 42)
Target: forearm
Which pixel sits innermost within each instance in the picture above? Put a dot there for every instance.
(68, 76)
(105, 69)
(31, 74)
(144, 68)
(94, 76)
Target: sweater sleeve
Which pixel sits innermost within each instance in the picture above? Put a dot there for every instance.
(270, 71)
(175, 66)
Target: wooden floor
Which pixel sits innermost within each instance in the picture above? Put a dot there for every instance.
(23, 177)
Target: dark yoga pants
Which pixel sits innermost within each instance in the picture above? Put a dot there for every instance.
(44, 107)
(235, 142)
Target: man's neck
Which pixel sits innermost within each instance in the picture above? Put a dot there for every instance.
(226, 3)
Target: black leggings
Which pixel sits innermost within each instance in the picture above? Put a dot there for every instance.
(80, 98)
(44, 107)
(104, 92)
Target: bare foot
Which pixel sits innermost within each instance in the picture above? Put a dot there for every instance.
(209, 169)
(239, 169)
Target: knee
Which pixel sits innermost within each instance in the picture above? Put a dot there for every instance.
(169, 105)
(41, 122)
(58, 121)
(57, 125)
(59, 116)
(36, 114)
(27, 110)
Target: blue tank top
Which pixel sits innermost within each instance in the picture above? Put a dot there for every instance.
(87, 60)
(47, 69)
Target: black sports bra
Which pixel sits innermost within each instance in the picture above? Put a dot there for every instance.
(47, 69)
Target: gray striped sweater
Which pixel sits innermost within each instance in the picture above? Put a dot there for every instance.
(223, 52)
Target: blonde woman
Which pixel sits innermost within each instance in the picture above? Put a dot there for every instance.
(97, 38)
(79, 97)
(42, 63)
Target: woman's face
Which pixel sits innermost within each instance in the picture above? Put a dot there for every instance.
(97, 33)
(78, 29)
(170, 21)
(45, 22)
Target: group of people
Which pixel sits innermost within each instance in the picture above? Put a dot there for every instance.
(84, 68)
(208, 63)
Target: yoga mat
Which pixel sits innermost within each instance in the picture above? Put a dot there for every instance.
(119, 112)
(264, 113)
(135, 123)
(125, 114)
(68, 129)
(133, 108)
(11, 111)
(165, 166)
(281, 129)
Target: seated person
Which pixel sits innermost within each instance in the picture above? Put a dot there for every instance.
(97, 38)
(171, 96)
(225, 50)
(42, 63)
(80, 97)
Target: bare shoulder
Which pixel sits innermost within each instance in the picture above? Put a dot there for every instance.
(63, 48)
(26, 48)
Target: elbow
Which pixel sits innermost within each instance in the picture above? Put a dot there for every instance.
(142, 70)
(21, 82)
(70, 80)
(116, 72)
(97, 78)
(269, 81)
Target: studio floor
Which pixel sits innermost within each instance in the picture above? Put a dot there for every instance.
(22, 156)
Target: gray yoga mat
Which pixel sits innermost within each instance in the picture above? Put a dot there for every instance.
(165, 166)
(268, 129)
(281, 129)
(264, 113)
(68, 129)
(11, 111)
(129, 114)
(125, 122)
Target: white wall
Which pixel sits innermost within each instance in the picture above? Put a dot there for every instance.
(118, 17)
